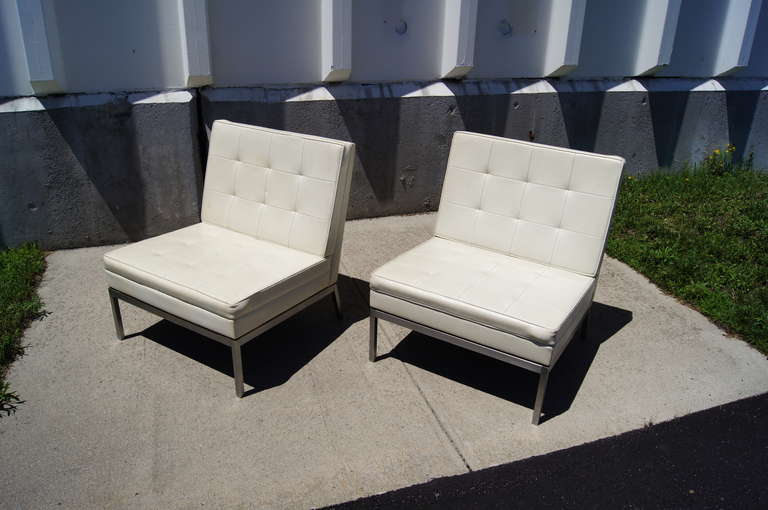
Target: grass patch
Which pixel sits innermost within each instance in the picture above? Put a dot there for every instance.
(20, 272)
(702, 236)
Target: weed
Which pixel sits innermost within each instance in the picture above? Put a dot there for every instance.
(702, 235)
(20, 271)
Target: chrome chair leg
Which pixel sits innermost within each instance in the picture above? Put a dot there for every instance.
(237, 366)
(337, 302)
(585, 324)
(117, 316)
(543, 377)
(374, 323)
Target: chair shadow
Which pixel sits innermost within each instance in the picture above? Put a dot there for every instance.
(511, 383)
(277, 355)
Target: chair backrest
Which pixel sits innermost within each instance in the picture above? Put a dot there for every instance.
(547, 204)
(283, 187)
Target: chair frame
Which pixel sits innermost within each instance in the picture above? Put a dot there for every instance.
(542, 370)
(235, 344)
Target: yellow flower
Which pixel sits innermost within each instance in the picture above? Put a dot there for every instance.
(731, 148)
(717, 151)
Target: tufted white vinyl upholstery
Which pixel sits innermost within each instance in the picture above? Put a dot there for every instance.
(524, 298)
(222, 271)
(546, 204)
(274, 185)
(274, 206)
(518, 242)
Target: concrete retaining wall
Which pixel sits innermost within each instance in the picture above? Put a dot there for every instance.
(99, 169)
(403, 131)
(96, 169)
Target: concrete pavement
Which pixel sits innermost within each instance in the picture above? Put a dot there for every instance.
(152, 421)
(709, 459)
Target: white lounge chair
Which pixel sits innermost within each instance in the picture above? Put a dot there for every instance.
(512, 268)
(268, 245)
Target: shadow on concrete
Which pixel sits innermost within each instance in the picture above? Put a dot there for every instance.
(257, 113)
(511, 383)
(103, 140)
(374, 126)
(741, 106)
(569, 372)
(530, 117)
(623, 39)
(667, 114)
(281, 352)
(12, 77)
(581, 113)
(692, 54)
(488, 114)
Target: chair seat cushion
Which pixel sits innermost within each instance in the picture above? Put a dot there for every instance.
(532, 301)
(224, 272)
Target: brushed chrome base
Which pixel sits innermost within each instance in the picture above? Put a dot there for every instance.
(542, 370)
(236, 344)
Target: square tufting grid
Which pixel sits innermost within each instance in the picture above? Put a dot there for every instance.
(275, 185)
(547, 204)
